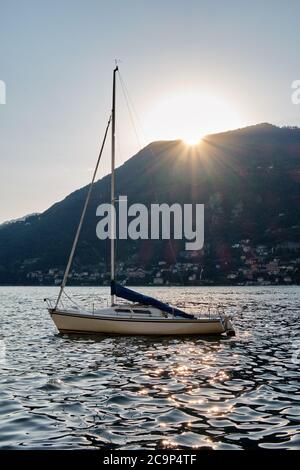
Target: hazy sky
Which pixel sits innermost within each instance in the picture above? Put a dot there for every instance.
(56, 58)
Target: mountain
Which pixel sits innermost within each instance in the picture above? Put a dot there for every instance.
(20, 219)
(248, 180)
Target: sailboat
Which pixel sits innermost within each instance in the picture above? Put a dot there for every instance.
(141, 314)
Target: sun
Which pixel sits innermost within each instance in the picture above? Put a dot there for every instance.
(192, 141)
(189, 117)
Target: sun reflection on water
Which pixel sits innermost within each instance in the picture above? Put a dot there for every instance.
(152, 392)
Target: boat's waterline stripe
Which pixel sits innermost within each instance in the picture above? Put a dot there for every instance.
(151, 320)
(87, 332)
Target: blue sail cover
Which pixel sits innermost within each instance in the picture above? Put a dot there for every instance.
(131, 295)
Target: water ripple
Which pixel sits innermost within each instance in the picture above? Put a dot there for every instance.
(121, 392)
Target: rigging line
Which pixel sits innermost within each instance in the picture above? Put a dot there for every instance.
(129, 103)
(73, 301)
(130, 106)
(133, 113)
(131, 110)
(82, 216)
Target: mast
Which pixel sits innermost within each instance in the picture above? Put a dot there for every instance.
(113, 228)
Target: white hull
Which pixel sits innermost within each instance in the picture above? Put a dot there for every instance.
(85, 323)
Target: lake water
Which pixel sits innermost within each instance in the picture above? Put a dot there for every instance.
(60, 392)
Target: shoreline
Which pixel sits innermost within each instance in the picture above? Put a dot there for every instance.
(153, 285)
